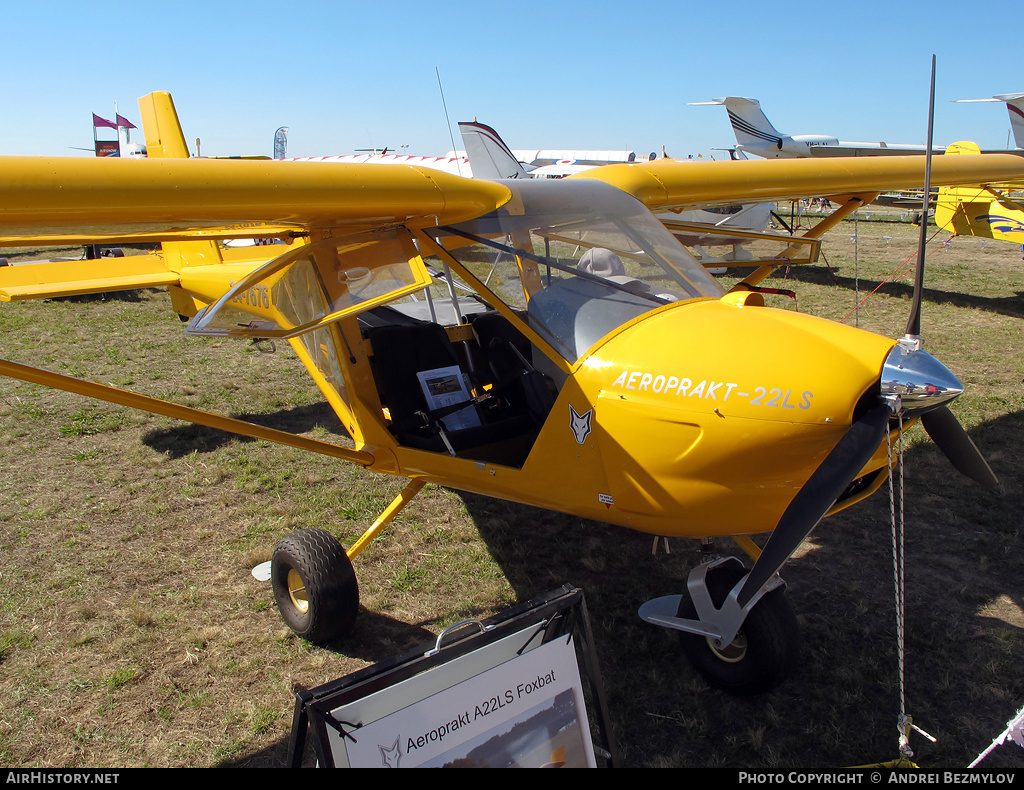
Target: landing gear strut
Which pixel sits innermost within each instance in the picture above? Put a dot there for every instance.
(314, 584)
(743, 649)
(763, 651)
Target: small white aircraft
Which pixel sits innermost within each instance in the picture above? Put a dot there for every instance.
(1014, 106)
(543, 163)
(756, 135)
(490, 158)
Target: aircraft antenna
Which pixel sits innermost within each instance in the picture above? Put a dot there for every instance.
(446, 119)
(914, 322)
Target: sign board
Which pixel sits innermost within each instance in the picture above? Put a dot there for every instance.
(508, 693)
(108, 148)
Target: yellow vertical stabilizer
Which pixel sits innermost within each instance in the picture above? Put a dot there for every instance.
(164, 138)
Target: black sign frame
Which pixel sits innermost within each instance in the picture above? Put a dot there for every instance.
(560, 613)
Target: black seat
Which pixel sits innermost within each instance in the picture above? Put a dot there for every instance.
(399, 353)
(509, 353)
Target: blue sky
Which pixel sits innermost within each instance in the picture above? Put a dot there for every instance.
(569, 74)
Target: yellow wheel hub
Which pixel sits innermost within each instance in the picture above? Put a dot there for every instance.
(732, 652)
(297, 591)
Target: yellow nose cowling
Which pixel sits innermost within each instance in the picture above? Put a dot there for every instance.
(711, 415)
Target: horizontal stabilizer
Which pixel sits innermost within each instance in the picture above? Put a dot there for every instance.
(71, 278)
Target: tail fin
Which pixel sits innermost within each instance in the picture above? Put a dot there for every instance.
(488, 155)
(973, 211)
(160, 124)
(751, 126)
(72, 278)
(1015, 106)
(194, 272)
(165, 139)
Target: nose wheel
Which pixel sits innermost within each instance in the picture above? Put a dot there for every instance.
(742, 649)
(764, 650)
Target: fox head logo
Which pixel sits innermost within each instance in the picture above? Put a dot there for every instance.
(580, 424)
(390, 756)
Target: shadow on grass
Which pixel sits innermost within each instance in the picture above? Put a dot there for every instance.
(130, 295)
(182, 440)
(1012, 306)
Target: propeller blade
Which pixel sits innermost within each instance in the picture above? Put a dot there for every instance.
(819, 493)
(914, 322)
(950, 437)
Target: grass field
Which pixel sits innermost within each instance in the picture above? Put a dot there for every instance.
(133, 634)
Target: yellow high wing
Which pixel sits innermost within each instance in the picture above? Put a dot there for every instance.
(71, 200)
(79, 200)
(664, 184)
(851, 182)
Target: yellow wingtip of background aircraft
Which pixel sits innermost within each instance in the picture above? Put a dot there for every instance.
(482, 335)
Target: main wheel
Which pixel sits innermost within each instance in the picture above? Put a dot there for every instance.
(763, 652)
(314, 585)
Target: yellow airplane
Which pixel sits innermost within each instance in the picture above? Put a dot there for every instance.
(989, 211)
(548, 343)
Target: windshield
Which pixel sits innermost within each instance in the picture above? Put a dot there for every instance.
(579, 258)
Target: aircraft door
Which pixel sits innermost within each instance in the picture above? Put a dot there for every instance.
(308, 296)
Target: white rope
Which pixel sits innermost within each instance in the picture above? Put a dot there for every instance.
(898, 524)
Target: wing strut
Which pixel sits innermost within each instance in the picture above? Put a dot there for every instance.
(178, 412)
(851, 204)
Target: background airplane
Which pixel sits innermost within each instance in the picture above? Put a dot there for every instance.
(1014, 106)
(491, 158)
(756, 135)
(539, 163)
(458, 166)
(494, 159)
(990, 211)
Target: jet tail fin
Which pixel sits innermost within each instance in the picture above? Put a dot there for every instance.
(749, 123)
(976, 211)
(1015, 106)
(487, 153)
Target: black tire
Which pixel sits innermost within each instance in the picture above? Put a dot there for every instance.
(765, 649)
(314, 585)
